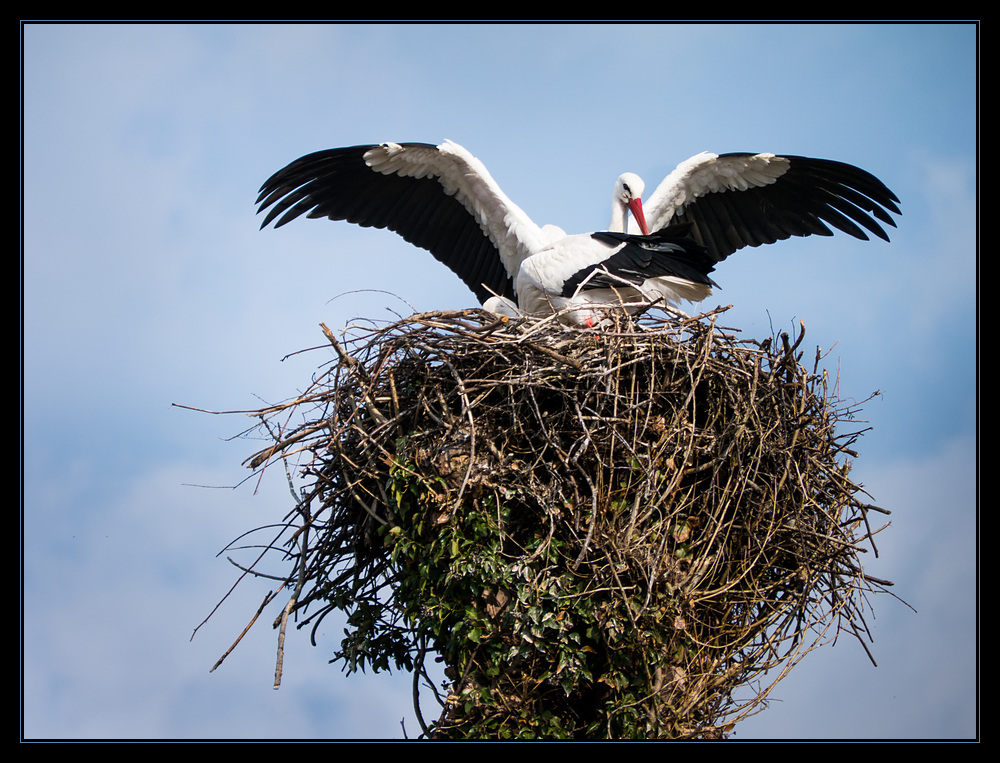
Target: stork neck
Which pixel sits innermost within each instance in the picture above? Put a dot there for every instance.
(619, 218)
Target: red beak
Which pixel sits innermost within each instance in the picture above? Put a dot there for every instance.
(635, 207)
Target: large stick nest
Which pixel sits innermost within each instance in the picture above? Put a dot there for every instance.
(609, 534)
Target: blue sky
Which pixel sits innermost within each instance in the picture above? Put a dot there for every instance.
(147, 283)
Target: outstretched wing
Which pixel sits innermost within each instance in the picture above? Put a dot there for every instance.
(741, 199)
(439, 198)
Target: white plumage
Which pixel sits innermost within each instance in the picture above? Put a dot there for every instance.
(443, 199)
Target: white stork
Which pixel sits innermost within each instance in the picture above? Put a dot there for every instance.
(441, 198)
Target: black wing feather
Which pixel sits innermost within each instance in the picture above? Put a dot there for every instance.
(668, 252)
(337, 184)
(812, 195)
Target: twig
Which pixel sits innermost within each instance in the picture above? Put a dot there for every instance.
(267, 600)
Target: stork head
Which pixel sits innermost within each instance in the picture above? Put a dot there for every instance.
(628, 198)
